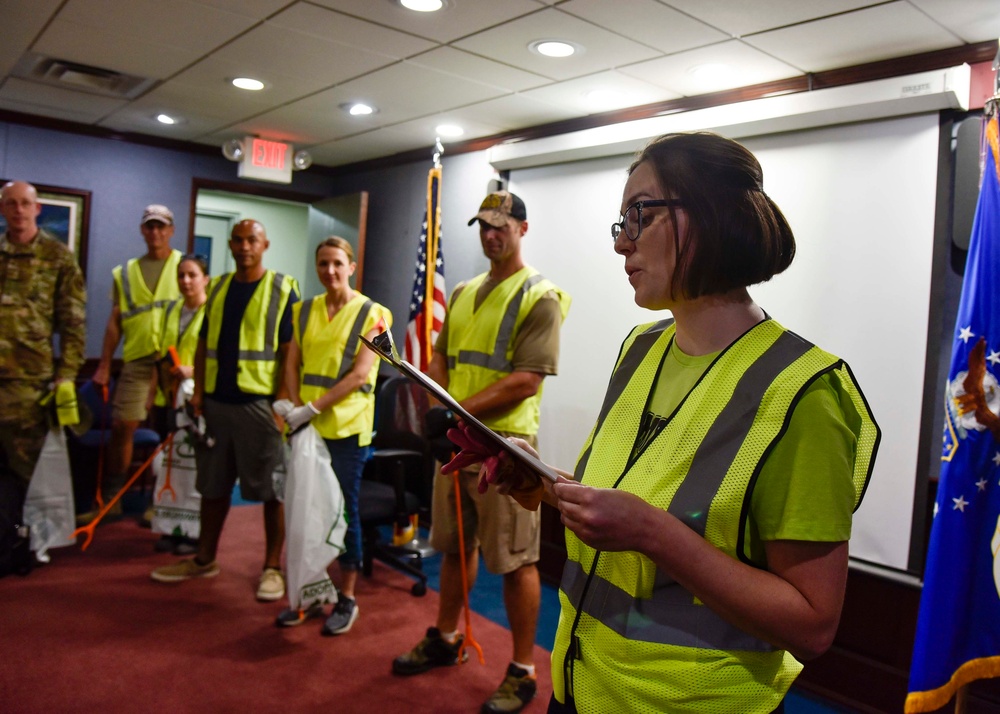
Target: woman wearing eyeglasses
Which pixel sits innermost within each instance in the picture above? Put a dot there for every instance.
(708, 515)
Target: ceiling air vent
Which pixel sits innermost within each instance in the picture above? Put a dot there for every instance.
(80, 77)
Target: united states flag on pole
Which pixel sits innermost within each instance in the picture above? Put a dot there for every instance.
(958, 630)
(428, 301)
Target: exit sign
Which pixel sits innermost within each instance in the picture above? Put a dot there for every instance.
(266, 160)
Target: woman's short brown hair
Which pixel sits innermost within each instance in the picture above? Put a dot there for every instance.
(737, 236)
(336, 242)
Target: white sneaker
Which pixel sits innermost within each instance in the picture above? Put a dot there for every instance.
(271, 586)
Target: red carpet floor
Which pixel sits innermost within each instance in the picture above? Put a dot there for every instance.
(91, 632)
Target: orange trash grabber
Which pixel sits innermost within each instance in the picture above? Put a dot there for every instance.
(469, 639)
(89, 528)
(167, 486)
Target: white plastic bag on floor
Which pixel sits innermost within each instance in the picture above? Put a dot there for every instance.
(48, 506)
(315, 520)
(176, 501)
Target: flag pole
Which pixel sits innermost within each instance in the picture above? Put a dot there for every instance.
(960, 697)
(433, 233)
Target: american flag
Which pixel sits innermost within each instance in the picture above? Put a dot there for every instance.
(428, 300)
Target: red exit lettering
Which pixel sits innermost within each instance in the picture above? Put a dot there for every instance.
(269, 154)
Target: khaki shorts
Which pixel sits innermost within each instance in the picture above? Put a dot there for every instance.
(132, 389)
(506, 533)
(247, 447)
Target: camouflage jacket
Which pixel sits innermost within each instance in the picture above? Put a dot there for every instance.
(42, 294)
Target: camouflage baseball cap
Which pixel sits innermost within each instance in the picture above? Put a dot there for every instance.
(497, 207)
(156, 212)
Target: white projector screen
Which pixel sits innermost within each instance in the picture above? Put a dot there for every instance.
(860, 199)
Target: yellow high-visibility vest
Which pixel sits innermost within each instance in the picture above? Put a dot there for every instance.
(328, 349)
(629, 637)
(481, 342)
(141, 308)
(256, 369)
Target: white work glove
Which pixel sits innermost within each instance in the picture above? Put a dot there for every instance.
(282, 407)
(300, 415)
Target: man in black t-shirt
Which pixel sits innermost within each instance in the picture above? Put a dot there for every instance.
(241, 352)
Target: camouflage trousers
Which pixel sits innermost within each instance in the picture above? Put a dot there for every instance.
(23, 425)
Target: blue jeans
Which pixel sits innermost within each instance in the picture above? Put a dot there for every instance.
(348, 461)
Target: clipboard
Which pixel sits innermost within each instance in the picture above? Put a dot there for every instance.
(383, 346)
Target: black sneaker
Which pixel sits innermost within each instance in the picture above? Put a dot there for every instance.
(432, 651)
(165, 544)
(517, 689)
(345, 612)
(294, 618)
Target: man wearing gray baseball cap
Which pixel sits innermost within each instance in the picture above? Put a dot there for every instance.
(143, 287)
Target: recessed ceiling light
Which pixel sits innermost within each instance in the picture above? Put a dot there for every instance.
(165, 119)
(711, 74)
(249, 83)
(357, 109)
(554, 48)
(422, 5)
(449, 131)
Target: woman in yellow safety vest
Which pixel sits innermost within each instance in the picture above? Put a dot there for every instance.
(182, 320)
(708, 515)
(331, 377)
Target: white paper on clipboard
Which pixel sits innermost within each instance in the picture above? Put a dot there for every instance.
(384, 347)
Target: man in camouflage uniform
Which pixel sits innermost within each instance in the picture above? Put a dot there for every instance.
(42, 294)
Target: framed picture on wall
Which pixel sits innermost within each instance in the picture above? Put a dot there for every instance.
(65, 215)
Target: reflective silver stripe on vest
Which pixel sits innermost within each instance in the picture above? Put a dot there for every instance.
(498, 360)
(670, 616)
(270, 325)
(724, 438)
(134, 310)
(321, 380)
(619, 380)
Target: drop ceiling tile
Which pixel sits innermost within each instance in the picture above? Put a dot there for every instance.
(456, 20)
(138, 120)
(55, 101)
(747, 66)
(300, 127)
(406, 90)
(258, 9)
(615, 89)
(448, 60)
(308, 62)
(175, 23)
(110, 49)
(509, 44)
(346, 30)
(513, 111)
(423, 131)
(648, 22)
(372, 145)
(29, 17)
(742, 18)
(868, 35)
(972, 20)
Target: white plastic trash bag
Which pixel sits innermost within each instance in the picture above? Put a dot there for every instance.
(48, 508)
(316, 524)
(176, 501)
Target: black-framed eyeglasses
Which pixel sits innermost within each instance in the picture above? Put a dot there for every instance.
(631, 222)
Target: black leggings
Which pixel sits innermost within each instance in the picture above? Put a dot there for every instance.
(556, 708)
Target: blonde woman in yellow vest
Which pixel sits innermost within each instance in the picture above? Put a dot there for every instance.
(708, 515)
(143, 287)
(331, 378)
(181, 326)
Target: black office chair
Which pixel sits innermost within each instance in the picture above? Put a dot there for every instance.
(400, 468)
(89, 448)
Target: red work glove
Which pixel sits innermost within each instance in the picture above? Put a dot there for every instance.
(498, 468)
